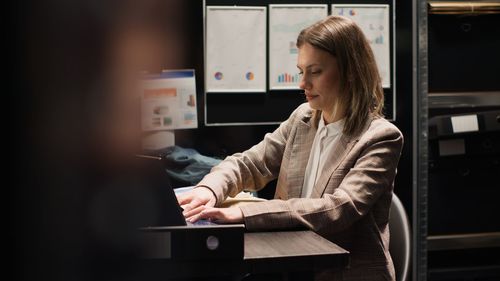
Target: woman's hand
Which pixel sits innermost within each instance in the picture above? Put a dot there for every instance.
(221, 215)
(195, 201)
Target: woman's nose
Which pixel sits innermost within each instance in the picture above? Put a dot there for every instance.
(304, 84)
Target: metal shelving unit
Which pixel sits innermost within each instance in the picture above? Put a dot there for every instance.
(452, 100)
(420, 135)
(456, 250)
(463, 241)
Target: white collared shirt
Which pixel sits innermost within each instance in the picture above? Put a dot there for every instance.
(325, 139)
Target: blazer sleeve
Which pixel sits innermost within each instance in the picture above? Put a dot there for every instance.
(372, 174)
(254, 168)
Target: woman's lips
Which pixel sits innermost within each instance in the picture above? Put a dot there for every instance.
(310, 96)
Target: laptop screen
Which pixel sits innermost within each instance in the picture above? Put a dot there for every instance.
(160, 200)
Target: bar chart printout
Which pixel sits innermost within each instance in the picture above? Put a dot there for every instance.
(168, 100)
(374, 21)
(285, 24)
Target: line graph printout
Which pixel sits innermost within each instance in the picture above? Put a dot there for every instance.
(235, 49)
(285, 24)
(374, 21)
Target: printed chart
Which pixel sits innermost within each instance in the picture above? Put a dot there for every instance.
(235, 49)
(285, 24)
(374, 21)
(169, 101)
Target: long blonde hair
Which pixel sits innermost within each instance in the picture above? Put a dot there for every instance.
(362, 94)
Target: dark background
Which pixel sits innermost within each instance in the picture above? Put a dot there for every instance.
(55, 95)
(55, 170)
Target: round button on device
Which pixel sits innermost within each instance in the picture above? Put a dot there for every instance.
(212, 242)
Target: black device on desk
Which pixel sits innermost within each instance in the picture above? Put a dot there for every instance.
(169, 236)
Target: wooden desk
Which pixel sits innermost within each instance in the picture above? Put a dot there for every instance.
(265, 252)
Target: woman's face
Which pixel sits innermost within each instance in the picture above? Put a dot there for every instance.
(320, 78)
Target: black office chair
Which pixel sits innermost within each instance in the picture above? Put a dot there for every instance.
(400, 242)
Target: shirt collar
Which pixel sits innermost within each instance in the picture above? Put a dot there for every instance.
(331, 129)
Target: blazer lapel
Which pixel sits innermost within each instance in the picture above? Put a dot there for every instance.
(340, 151)
(299, 156)
(337, 155)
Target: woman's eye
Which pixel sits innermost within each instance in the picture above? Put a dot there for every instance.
(316, 72)
(301, 73)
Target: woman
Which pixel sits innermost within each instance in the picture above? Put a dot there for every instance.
(335, 157)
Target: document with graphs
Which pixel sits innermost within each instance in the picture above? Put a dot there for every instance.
(168, 100)
(374, 20)
(235, 54)
(285, 24)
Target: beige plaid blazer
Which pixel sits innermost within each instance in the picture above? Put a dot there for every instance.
(350, 201)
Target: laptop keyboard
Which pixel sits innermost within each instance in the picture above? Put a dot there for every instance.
(201, 222)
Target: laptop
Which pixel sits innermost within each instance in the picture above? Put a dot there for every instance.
(165, 209)
(165, 233)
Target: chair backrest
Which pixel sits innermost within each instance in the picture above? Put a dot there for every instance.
(400, 242)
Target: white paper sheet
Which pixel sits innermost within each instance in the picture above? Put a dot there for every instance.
(158, 140)
(235, 49)
(374, 21)
(169, 101)
(285, 24)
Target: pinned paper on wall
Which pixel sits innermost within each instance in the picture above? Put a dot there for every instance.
(285, 24)
(235, 49)
(374, 21)
(169, 101)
